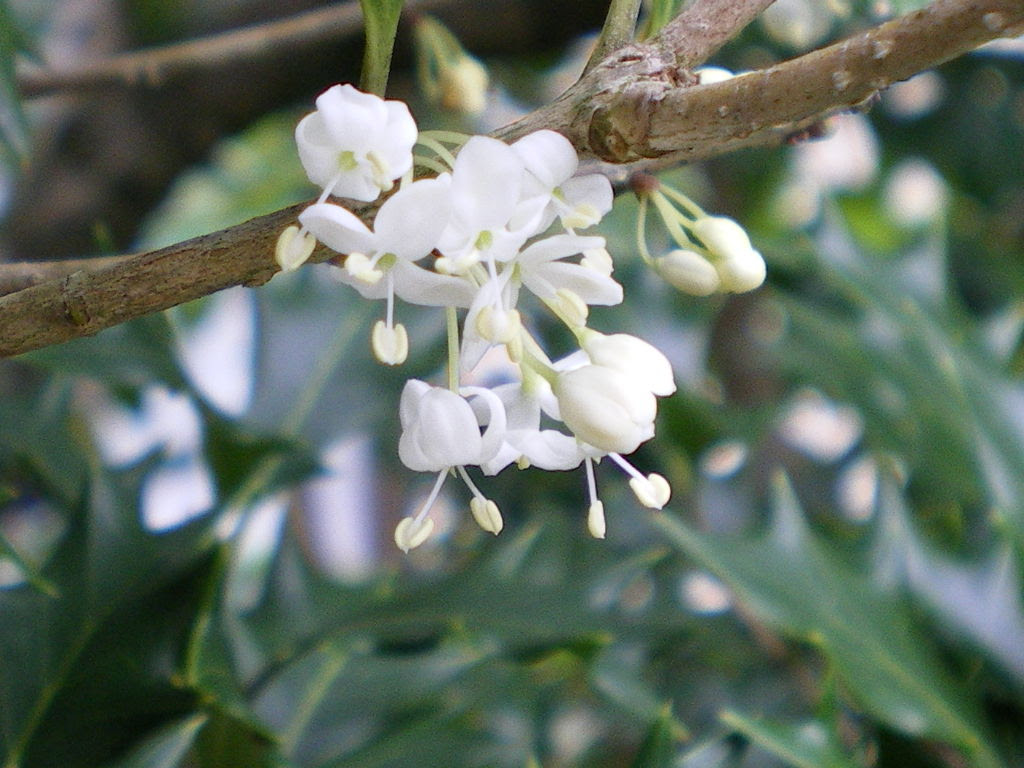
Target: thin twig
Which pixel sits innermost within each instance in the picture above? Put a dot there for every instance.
(619, 28)
(624, 110)
(696, 34)
(153, 66)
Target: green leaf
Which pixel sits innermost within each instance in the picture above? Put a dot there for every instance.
(82, 672)
(167, 747)
(794, 583)
(661, 742)
(380, 18)
(803, 745)
(14, 143)
(659, 13)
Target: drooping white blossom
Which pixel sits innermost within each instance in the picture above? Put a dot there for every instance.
(355, 144)
(606, 408)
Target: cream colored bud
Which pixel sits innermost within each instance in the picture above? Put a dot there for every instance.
(742, 271)
(390, 345)
(486, 514)
(722, 235)
(595, 520)
(291, 252)
(689, 272)
(463, 86)
(652, 491)
(409, 534)
(362, 268)
(571, 307)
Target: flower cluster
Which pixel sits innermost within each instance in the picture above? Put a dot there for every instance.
(498, 221)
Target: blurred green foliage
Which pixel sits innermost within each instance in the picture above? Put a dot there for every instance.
(762, 619)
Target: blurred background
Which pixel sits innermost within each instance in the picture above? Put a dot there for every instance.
(196, 508)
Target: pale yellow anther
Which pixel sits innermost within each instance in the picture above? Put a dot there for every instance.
(597, 259)
(381, 171)
(498, 325)
(652, 491)
(595, 520)
(583, 215)
(409, 534)
(486, 514)
(390, 344)
(291, 251)
(362, 268)
(571, 307)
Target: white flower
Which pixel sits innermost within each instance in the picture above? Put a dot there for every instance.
(632, 356)
(543, 270)
(608, 409)
(355, 144)
(441, 431)
(550, 161)
(524, 441)
(486, 183)
(406, 229)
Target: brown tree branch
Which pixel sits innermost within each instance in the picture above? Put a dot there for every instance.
(153, 66)
(637, 105)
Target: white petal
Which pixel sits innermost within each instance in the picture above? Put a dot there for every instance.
(593, 189)
(590, 286)
(486, 182)
(494, 434)
(548, 449)
(634, 357)
(353, 119)
(606, 408)
(557, 247)
(427, 288)
(338, 229)
(549, 156)
(408, 405)
(410, 223)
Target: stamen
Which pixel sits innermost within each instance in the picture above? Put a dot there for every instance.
(434, 493)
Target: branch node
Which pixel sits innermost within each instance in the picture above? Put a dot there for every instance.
(73, 296)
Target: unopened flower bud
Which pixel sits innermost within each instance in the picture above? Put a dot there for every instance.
(689, 272)
(742, 271)
(409, 534)
(606, 408)
(652, 491)
(595, 520)
(463, 85)
(390, 344)
(722, 235)
(632, 356)
(571, 307)
(362, 268)
(291, 251)
(486, 514)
